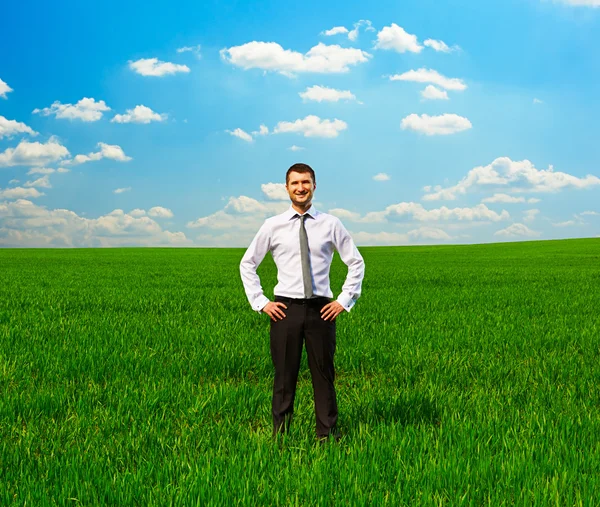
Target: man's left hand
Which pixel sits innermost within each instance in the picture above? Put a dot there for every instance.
(331, 310)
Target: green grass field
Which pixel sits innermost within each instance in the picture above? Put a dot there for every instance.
(467, 375)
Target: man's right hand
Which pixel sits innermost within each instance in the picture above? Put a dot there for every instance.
(274, 310)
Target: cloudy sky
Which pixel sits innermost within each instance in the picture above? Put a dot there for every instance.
(427, 122)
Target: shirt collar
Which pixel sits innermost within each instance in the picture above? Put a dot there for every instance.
(312, 212)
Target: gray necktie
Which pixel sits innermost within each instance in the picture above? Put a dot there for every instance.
(305, 259)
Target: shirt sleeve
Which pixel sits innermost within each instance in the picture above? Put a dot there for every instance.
(356, 266)
(250, 261)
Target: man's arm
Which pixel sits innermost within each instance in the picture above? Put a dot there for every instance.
(356, 266)
(252, 258)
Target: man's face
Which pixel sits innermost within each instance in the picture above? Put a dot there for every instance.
(301, 188)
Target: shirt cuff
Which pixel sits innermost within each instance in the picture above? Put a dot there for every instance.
(259, 303)
(346, 301)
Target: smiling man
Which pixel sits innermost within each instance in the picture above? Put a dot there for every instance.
(302, 241)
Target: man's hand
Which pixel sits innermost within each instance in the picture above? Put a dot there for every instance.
(331, 310)
(274, 310)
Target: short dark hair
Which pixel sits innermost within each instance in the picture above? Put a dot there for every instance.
(300, 168)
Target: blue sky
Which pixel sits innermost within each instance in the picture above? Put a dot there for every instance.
(173, 123)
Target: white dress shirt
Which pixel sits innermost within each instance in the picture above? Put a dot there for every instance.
(280, 235)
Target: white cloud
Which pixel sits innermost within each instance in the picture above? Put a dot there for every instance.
(4, 89)
(113, 152)
(431, 76)
(590, 213)
(41, 170)
(518, 176)
(137, 213)
(439, 45)
(160, 212)
(191, 49)
(415, 211)
(530, 214)
(18, 193)
(139, 114)
(121, 190)
(87, 109)
(35, 153)
(263, 131)
(517, 230)
(13, 182)
(537, 101)
(396, 38)
(323, 93)
(533, 200)
(43, 182)
(581, 3)
(275, 191)
(567, 223)
(344, 214)
(8, 128)
(335, 30)
(503, 198)
(271, 56)
(429, 233)
(353, 35)
(380, 238)
(22, 223)
(242, 134)
(381, 177)
(295, 148)
(312, 126)
(432, 93)
(444, 124)
(154, 67)
(241, 214)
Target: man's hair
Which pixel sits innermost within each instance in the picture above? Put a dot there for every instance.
(300, 168)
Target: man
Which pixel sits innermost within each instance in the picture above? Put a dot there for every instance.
(302, 241)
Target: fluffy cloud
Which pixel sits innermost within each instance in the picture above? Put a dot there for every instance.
(9, 128)
(191, 49)
(530, 214)
(113, 152)
(590, 213)
(344, 214)
(23, 223)
(444, 124)
(242, 134)
(271, 56)
(139, 114)
(353, 35)
(35, 153)
(517, 231)
(43, 182)
(275, 191)
(323, 93)
(18, 193)
(121, 190)
(335, 30)
(432, 93)
(439, 45)
(4, 89)
(293, 147)
(520, 176)
(396, 38)
(312, 126)
(263, 131)
(160, 212)
(242, 214)
(154, 67)
(503, 198)
(87, 109)
(581, 3)
(415, 211)
(381, 177)
(41, 170)
(430, 76)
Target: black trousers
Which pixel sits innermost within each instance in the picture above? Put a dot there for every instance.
(303, 323)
